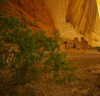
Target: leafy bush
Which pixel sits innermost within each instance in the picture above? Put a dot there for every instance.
(4, 1)
(98, 48)
(22, 49)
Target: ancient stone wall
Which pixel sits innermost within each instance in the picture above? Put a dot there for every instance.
(75, 44)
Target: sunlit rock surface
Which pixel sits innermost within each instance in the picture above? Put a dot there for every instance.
(74, 18)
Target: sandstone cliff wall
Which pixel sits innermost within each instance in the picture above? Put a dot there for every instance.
(74, 18)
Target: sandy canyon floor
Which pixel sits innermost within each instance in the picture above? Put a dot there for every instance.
(87, 77)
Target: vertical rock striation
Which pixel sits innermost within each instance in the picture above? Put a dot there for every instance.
(74, 18)
(84, 16)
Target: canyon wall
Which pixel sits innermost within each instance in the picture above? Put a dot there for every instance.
(74, 18)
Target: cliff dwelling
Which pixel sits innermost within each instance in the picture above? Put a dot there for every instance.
(75, 44)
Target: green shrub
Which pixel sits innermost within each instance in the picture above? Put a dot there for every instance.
(98, 48)
(4, 1)
(23, 49)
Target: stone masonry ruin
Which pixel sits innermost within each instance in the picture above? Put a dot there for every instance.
(75, 44)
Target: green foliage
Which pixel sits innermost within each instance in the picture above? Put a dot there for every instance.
(71, 79)
(18, 47)
(4, 1)
(36, 20)
(98, 48)
(23, 50)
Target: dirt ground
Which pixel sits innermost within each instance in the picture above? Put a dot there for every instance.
(88, 73)
(87, 77)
